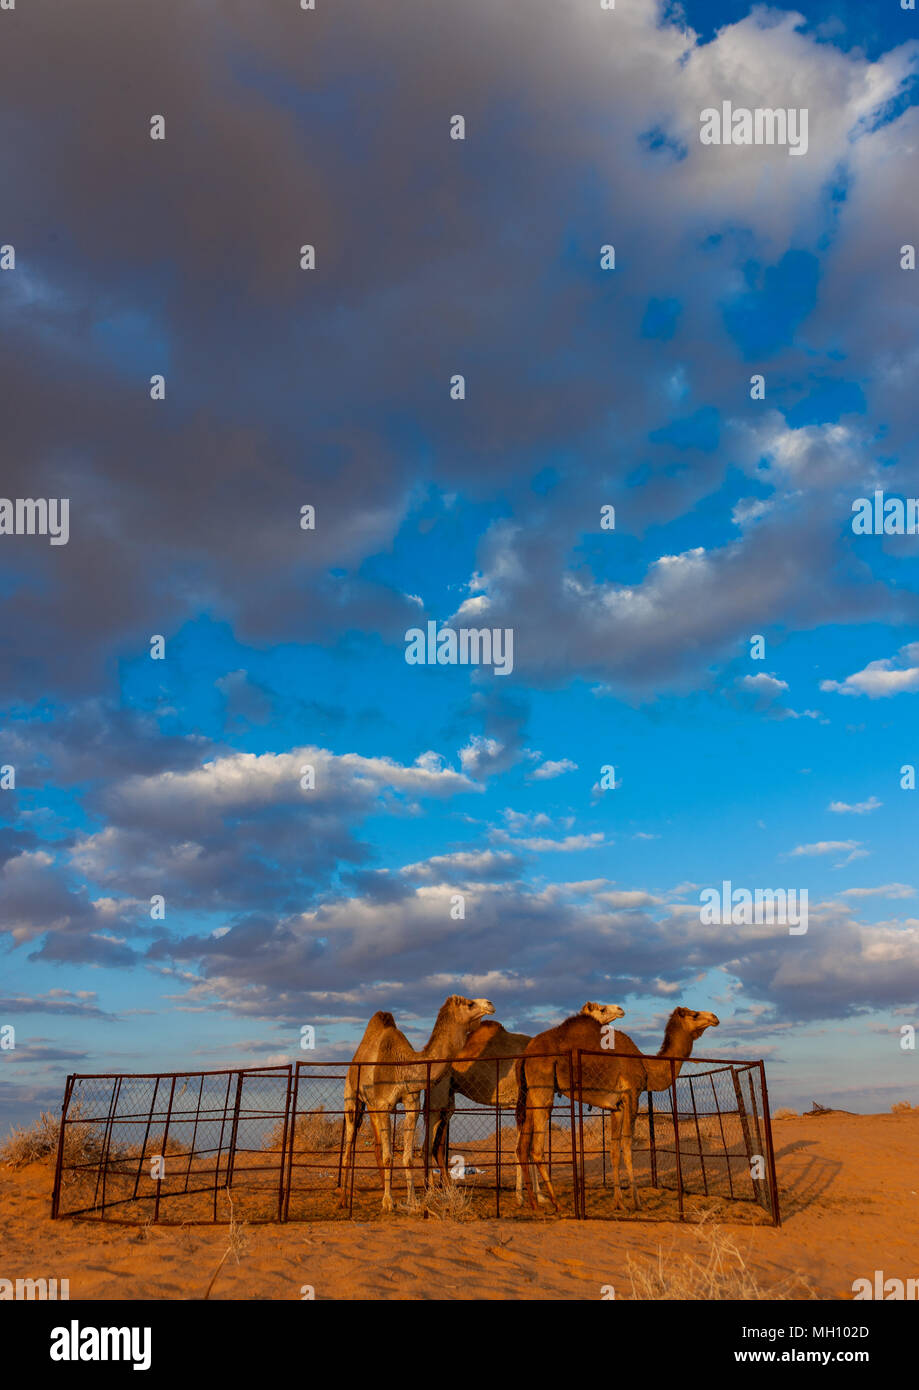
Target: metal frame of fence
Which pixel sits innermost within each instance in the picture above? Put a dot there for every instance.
(269, 1143)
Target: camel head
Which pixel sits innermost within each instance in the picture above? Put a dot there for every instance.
(603, 1013)
(695, 1021)
(468, 1011)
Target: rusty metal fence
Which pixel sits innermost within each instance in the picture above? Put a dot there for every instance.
(277, 1144)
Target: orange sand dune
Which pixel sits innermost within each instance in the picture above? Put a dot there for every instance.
(850, 1202)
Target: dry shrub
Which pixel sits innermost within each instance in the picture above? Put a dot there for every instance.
(903, 1107)
(83, 1141)
(786, 1115)
(154, 1146)
(448, 1202)
(237, 1244)
(716, 1272)
(313, 1131)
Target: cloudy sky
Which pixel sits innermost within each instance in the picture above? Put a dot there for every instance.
(585, 387)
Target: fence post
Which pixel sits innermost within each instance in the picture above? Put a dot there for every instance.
(231, 1157)
(603, 1148)
(159, 1181)
(497, 1136)
(427, 1130)
(282, 1166)
(676, 1136)
(223, 1125)
(767, 1122)
(574, 1148)
(651, 1144)
(353, 1156)
(582, 1166)
(59, 1160)
(292, 1132)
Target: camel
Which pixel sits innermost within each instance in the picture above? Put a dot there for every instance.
(609, 1083)
(390, 1072)
(484, 1072)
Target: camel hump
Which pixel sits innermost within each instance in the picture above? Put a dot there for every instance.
(379, 1023)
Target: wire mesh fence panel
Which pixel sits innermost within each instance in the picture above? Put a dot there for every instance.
(315, 1143)
(438, 1150)
(196, 1146)
(439, 1138)
(701, 1142)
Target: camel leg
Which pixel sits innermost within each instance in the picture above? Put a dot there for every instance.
(629, 1113)
(411, 1104)
(539, 1111)
(442, 1140)
(381, 1122)
(440, 1112)
(352, 1122)
(522, 1154)
(616, 1122)
(520, 1185)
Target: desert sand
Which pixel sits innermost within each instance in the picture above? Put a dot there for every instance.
(849, 1187)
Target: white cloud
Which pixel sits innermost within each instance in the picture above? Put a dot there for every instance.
(859, 808)
(763, 684)
(881, 679)
(826, 847)
(627, 899)
(463, 866)
(550, 769)
(886, 890)
(568, 845)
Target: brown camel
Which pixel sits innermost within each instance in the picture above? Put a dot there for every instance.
(484, 1072)
(609, 1083)
(391, 1071)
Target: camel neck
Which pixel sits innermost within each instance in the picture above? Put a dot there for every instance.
(679, 1046)
(444, 1043)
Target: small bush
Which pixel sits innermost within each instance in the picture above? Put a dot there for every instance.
(38, 1141)
(450, 1202)
(313, 1131)
(786, 1115)
(903, 1107)
(717, 1273)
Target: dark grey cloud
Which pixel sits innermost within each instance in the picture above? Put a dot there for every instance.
(286, 387)
(70, 1003)
(535, 950)
(241, 831)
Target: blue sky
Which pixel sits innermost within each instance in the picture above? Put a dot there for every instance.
(584, 387)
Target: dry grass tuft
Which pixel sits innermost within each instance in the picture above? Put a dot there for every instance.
(38, 1141)
(237, 1244)
(717, 1273)
(786, 1115)
(155, 1147)
(313, 1131)
(450, 1202)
